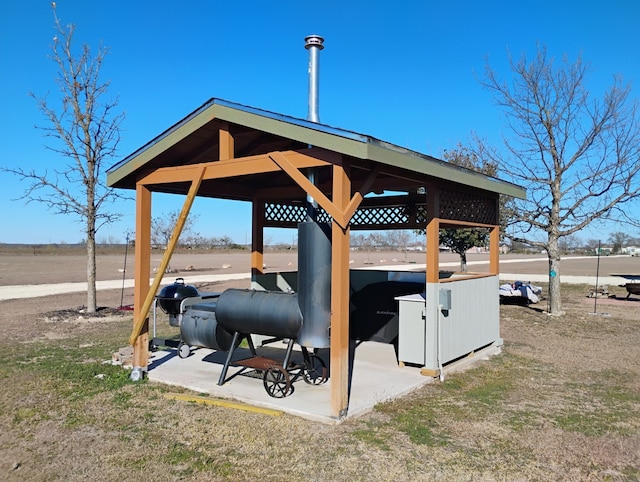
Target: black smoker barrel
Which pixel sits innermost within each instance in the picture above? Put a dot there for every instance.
(314, 284)
(200, 328)
(270, 313)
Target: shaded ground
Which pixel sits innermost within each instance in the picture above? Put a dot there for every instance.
(561, 403)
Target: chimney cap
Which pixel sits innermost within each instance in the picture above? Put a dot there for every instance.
(314, 41)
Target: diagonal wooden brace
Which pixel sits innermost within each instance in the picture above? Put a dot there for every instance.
(341, 217)
(144, 312)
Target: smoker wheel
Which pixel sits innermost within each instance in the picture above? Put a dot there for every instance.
(184, 350)
(277, 382)
(316, 372)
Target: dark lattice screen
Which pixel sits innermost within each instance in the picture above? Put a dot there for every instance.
(366, 217)
(470, 207)
(454, 205)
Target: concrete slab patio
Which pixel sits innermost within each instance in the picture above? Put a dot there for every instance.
(376, 377)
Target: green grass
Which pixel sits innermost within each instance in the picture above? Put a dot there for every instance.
(372, 435)
(604, 403)
(506, 391)
(78, 372)
(187, 461)
(476, 422)
(67, 381)
(473, 395)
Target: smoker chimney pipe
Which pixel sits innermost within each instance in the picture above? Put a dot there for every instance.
(313, 43)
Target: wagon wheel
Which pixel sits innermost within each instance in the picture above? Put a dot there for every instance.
(184, 350)
(315, 371)
(277, 382)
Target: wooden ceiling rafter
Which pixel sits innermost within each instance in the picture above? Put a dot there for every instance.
(230, 168)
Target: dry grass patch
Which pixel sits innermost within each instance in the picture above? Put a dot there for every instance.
(562, 402)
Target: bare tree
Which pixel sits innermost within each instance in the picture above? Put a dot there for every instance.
(357, 240)
(576, 155)
(85, 130)
(162, 228)
(569, 243)
(619, 240)
(399, 238)
(371, 241)
(591, 245)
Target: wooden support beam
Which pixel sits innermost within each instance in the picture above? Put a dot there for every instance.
(241, 166)
(226, 144)
(142, 269)
(294, 173)
(494, 250)
(430, 372)
(433, 236)
(173, 241)
(340, 297)
(257, 238)
(340, 214)
(448, 223)
(359, 196)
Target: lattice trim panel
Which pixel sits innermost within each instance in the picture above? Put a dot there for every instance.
(380, 216)
(470, 207)
(454, 205)
(367, 217)
(290, 214)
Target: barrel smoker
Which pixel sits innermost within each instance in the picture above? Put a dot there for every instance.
(220, 321)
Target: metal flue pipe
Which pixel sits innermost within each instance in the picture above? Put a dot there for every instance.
(314, 44)
(314, 239)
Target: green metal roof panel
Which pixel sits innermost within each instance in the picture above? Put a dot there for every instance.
(158, 145)
(430, 166)
(319, 135)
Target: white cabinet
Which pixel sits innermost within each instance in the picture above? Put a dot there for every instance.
(411, 329)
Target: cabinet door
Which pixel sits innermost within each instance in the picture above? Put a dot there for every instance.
(411, 333)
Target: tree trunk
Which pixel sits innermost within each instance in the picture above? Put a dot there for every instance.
(555, 303)
(91, 265)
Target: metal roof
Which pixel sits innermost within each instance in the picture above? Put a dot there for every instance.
(195, 140)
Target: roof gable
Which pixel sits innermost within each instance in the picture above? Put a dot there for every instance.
(194, 140)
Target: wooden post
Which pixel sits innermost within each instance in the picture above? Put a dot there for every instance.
(142, 319)
(226, 144)
(433, 236)
(142, 272)
(257, 238)
(494, 250)
(340, 298)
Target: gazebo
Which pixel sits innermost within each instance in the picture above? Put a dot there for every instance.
(276, 162)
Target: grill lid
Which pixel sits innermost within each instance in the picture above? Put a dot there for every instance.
(172, 295)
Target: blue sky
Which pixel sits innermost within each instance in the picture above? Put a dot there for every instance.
(404, 71)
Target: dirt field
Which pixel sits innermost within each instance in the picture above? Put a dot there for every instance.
(45, 267)
(561, 403)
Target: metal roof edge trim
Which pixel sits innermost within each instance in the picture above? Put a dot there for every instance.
(158, 144)
(317, 135)
(431, 166)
